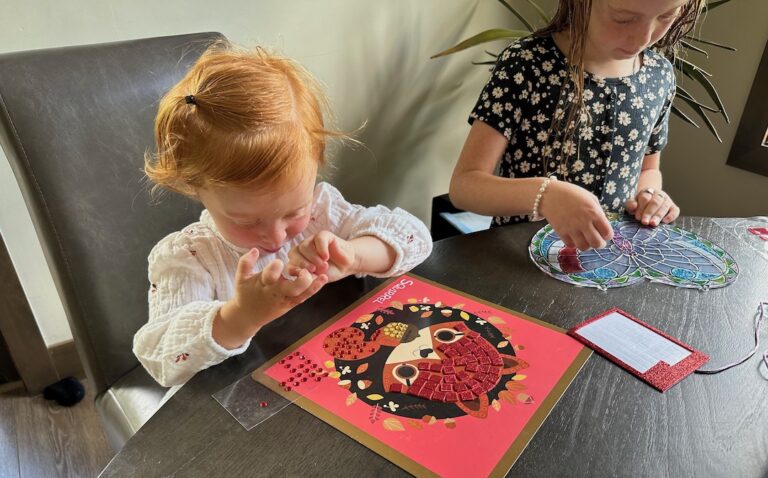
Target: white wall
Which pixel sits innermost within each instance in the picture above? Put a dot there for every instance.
(372, 56)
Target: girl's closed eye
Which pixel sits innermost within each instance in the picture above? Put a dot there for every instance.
(299, 213)
(624, 20)
(669, 17)
(247, 224)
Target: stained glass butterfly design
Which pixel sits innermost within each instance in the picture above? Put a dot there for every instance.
(665, 254)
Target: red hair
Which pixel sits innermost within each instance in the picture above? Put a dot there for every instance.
(253, 118)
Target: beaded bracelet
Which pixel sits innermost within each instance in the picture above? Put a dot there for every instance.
(535, 214)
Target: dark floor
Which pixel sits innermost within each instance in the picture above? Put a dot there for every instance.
(39, 438)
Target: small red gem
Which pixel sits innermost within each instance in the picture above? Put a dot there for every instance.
(287, 389)
(296, 384)
(317, 379)
(263, 404)
(303, 379)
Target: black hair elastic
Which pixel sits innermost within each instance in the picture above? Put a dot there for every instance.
(190, 99)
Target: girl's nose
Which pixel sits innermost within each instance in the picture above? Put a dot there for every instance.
(643, 37)
(276, 234)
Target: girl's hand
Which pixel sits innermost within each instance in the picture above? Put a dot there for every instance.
(324, 253)
(261, 297)
(652, 208)
(576, 216)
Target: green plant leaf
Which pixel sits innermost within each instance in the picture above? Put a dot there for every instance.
(694, 66)
(681, 92)
(676, 111)
(483, 37)
(518, 15)
(714, 4)
(697, 74)
(691, 47)
(711, 43)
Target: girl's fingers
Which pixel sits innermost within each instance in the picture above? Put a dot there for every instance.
(567, 240)
(246, 264)
(581, 242)
(322, 240)
(309, 252)
(673, 213)
(630, 206)
(296, 287)
(593, 237)
(293, 270)
(272, 273)
(642, 203)
(656, 209)
(603, 228)
(312, 289)
(298, 261)
(338, 255)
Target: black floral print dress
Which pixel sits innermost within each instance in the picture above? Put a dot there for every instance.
(629, 117)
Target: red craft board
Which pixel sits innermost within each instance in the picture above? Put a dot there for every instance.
(398, 322)
(660, 376)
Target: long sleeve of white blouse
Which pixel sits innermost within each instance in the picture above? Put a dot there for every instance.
(402, 231)
(192, 275)
(176, 342)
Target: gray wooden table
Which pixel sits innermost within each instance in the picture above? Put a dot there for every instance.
(607, 424)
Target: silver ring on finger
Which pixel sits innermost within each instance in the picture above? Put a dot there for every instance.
(662, 196)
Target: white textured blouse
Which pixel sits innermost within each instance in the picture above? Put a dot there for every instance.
(192, 274)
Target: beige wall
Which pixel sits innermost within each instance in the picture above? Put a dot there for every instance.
(373, 58)
(371, 55)
(694, 168)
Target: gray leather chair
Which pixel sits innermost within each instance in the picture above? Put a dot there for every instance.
(74, 124)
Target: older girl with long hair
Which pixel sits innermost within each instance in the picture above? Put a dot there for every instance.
(572, 122)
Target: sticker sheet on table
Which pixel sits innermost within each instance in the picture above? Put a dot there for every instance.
(751, 231)
(439, 382)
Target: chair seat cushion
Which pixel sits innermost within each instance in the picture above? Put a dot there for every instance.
(128, 404)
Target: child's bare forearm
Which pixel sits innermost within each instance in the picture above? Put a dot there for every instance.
(649, 178)
(233, 326)
(490, 195)
(372, 255)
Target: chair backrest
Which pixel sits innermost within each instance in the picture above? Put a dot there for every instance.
(75, 123)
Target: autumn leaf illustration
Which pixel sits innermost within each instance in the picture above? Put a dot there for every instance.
(393, 425)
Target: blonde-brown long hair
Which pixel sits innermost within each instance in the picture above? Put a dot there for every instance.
(240, 118)
(572, 16)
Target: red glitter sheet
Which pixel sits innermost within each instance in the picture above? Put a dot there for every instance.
(661, 376)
